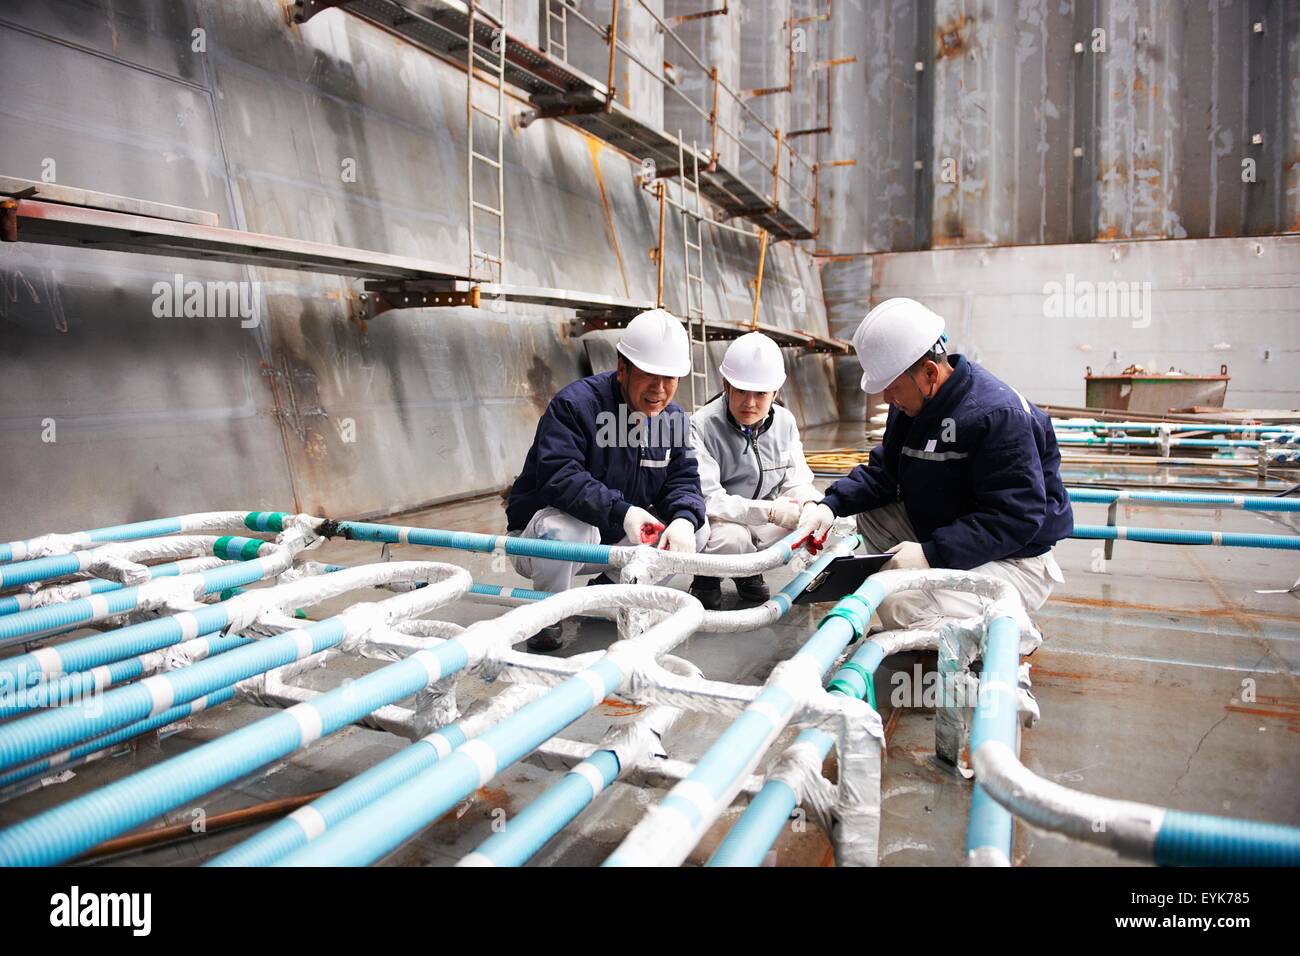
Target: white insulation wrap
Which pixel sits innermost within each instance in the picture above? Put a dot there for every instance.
(231, 522)
(1126, 827)
(860, 739)
(245, 609)
(660, 563)
(491, 640)
(1003, 599)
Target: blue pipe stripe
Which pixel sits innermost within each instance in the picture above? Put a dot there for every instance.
(1175, 442)
(393, 818)
(749, 837)
(523, 594)
(133, 640)
(60, 565)
(75, 686)
(121, 532)
(723, 762)
(68, 689)
(73, 827)
(470, 541)
(52, 730)
(11, 605)
(285, 836)
(531, 829)
(995, 720)
(16, 628)
(1227, 539)
(560, 805)
(118, 736)
(760, 825)
(25, 572)
(1217, 428)
(1198, 839)
(1249, 502)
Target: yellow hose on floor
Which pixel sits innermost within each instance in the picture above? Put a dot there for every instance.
(836, 460)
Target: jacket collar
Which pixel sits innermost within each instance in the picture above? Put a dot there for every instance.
(951, 392)
(758, 429)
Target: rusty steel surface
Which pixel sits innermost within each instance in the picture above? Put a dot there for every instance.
(330, 132)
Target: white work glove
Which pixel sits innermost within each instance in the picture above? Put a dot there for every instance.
(679, 537)
(907, 556)
(641, 527)
(817, 518)
(785, 512)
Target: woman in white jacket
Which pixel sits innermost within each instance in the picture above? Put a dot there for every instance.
(752, 470)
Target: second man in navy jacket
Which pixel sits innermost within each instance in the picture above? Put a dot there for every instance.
(967, 476)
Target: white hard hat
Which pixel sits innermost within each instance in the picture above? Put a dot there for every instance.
(655, 342)
(753, 363)
(894, 335)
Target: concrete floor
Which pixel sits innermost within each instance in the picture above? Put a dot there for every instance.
(1165, 678)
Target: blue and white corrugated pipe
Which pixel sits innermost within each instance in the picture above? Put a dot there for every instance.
(82, 685)
(625, 747)
(272, 559)
(1135, 830)
(307, 823)
(1107, 496)
(98, 747)
(988, 837)
(61, 593)
(51, 544)
(613, 555)
(1225, 539)
(124, 562)
(388, 821)
(37, 734)
(752, 836)
(546, 816)
(1072, 440)
(667, 834)
(74, 827)
(27, 670)
(1221, 428)
(744, 619)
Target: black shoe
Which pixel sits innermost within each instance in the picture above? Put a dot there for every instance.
(708, 591)
(547, 639)
(752, 590)
(601, 578)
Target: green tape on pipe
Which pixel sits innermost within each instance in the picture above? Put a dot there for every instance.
(851, 614)
(844, 687)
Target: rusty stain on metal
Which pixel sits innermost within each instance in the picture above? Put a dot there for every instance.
(9, 220)
(594, 146)
(1228, 611)
(950, 38)
(1286, 709)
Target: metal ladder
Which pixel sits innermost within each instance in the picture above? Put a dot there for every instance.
(485, 265)
(557, 30)
(691, 224)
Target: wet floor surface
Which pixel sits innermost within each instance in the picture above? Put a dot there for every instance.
(1165, 678)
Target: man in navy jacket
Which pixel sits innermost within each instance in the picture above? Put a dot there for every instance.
(967, 475)
(611, 461)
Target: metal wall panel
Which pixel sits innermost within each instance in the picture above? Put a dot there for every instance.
(311, 408)
(1208, 302)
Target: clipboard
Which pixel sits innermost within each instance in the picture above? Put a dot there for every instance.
(841, 577)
